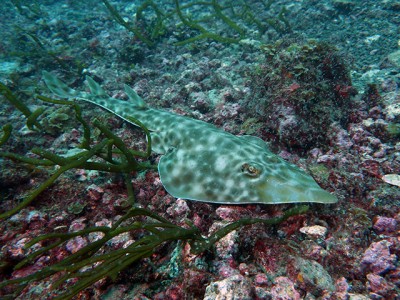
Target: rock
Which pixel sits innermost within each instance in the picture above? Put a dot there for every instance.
(227, 246)
(236, 287)
(377, 258)
(394, 58)
(342, 288)
(95, 192)
(178, 209)
(284, 289)
(378, 285)
(261, 280)
(315, 231)
(393, 179)
(314, 276)
(357, 297)
(384, 225)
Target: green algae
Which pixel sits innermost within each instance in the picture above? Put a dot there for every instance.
(88, 265)
(21, 106)
(135, 30)
(125, 163)
(236, 16)
(6, 133)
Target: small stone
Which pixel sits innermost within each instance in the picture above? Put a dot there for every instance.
(34, 215)
(358, 297)
(393, 179)
(384, 225)
(95, 192)
(283, 289)
(315, 231)
(344, 6)
(236, 287)
(377, 284)
(78, 224)
(76, 244)
(377, 258)
(227, 246)
(342, 285)
(226, 213)
(261, 280)
(179, 208)
(342, 288)
(394, 58)
(244, 269)
(314, 275)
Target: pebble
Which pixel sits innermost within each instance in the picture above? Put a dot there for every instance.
(377, 258)
(95, 192)
(283, 289)
(315, 231)
(178, 209)
(76, 244)
(378, 285)
(314, 275)
(342, 288)
(384, 225)
(236, 287)
(261, 280)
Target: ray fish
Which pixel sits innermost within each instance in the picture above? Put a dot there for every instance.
(202, 162)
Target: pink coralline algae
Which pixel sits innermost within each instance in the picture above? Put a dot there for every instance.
(179, 208)
(377, 258)
(95, 192)
(384, 225)
(261, 280)
(283, 289)
(76, 244)
(235, 287)
(379, 285)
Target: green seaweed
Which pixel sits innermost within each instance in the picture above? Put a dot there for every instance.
(73, 67)
(6, 133)
(151, 33)
(281, 24)
(22, 107)
(125, 163)
(204, 33)
(135, 30)
(31, 11)
(88, 265)
(393, 129)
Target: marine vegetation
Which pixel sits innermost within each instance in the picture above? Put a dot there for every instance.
(150, 22)
(93, 263)
(104, 152)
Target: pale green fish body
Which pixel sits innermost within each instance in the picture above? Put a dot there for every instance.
(204, 163)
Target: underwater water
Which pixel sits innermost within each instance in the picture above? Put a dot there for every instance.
(199, 149)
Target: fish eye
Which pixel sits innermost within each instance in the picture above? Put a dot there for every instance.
(250, 170)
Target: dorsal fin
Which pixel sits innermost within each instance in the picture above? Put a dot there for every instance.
(136, 100)
(95, 88)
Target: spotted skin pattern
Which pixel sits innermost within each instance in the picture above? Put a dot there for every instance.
(204, 163)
